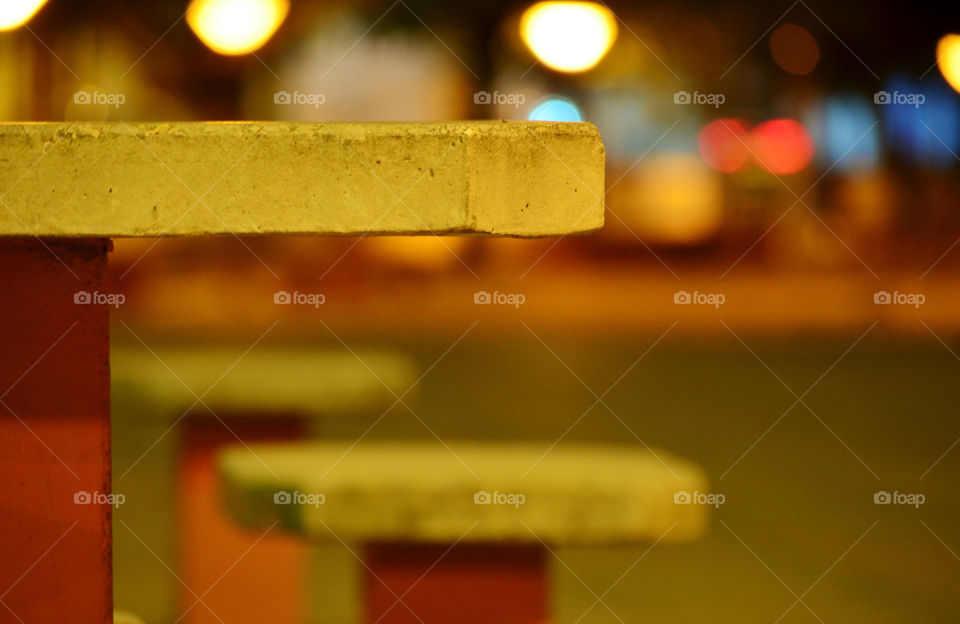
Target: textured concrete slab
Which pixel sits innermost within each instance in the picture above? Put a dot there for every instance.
(424, 491)
(181, 179)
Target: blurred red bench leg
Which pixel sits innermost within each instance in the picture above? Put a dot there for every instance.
(265, 583)
(55, 553)
(470, 584)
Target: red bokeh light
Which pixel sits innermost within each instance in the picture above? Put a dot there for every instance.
(781, 146)
(723, 144)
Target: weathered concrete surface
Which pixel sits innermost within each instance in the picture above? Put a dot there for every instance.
(175, 179)
(54, 434)
(423, 491)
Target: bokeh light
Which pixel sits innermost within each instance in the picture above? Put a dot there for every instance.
(671, 199)
(417, 253)
(723, 144)
(782, 146)
(555, 109)
(927, 133)
(842, 128)
(15, 13)
(948, 59)
(234, 27)
(568, 36)
(794, 49)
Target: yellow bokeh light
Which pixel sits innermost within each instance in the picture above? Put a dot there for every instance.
(234, 27)
(14, 13)
(671, 199)
(948, 59)
(568, 36)
(417, 253)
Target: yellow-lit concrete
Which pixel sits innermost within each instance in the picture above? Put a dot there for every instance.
(267, 380)
(425, 491)
(182, 179)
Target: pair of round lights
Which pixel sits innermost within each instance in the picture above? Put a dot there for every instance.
(230, 27)
(565, 36)
(780, 146)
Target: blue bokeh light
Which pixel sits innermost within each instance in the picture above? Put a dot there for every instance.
(555, 108)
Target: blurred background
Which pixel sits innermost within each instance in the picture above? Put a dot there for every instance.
(773, 295)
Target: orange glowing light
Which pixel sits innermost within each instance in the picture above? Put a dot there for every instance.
(236, 27)
(794, 49)
(569, 36)
(724, 145)
(782, 146)
(948, 59)
(418, 253)
(15, 13)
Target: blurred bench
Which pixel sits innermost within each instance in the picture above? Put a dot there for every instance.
(166, 444)
(470, 525)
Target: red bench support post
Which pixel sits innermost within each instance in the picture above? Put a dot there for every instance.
(467, 583)
(55, 541)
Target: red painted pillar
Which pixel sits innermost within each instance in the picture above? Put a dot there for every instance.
(55, 545)
(266, 581)
(468, 584)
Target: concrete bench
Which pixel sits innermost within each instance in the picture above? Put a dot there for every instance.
(307, 380)
(66, 188)
(170, 497)
(187, 179)
(403, 507)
